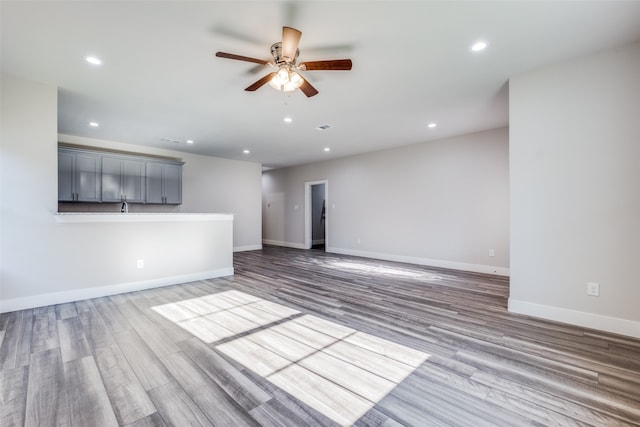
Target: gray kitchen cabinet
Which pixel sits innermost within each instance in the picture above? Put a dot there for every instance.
(78, 176)
(164, 183)
(123, 179)
(87, 175)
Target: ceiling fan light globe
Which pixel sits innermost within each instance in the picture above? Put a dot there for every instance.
(286, 80)
(283, 75)
(295, 79)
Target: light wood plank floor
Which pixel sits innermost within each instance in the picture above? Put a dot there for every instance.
(301, 338)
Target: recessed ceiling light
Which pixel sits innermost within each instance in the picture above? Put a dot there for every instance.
(189, 141)
(327, 149)
(432, 125)
(94, 124)
(245, 151)
(288, 119)
(478, 46)
(93, 60)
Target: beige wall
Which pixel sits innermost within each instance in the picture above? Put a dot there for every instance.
(442, 203)
(575, 190)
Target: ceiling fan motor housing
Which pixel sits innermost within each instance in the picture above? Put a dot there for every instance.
(276, 52)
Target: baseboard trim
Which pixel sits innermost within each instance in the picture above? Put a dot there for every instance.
(247, 248)
(579, 318)
(284, 244)
(476, 268)
(41, 300)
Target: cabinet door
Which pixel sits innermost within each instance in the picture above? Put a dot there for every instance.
(172, 180)
(87, 177)
(133, 180)
(154, 183)
(111, 179)
(66, 192)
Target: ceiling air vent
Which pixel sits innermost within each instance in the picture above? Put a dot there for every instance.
(323, 127)
(175, 141)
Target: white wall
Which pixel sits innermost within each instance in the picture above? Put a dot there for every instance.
(41, 257)
(575, 191)
(209, 184)
(28, 166)
(94, 259)
(442, 203)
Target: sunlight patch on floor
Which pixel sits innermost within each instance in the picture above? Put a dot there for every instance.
(223, 315)
(381, 270)
(336, 370)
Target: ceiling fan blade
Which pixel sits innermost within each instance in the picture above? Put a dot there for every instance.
(261, 82)
(241, 58)
(307, 88)
(334, 64)
(290, 40)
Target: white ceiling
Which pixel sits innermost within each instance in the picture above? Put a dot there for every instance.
(412, 65)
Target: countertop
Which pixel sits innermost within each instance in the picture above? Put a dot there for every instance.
(139, 217)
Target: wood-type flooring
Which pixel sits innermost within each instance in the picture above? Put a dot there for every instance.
(306, 338)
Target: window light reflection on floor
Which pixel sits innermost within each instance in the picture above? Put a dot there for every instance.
(336, 370)
(382, 270)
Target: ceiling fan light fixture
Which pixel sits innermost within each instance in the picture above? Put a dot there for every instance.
(286, 79)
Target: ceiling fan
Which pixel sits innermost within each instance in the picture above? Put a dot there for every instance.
(285, 54)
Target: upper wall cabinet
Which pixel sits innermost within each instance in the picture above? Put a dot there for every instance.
(164, 183)
(93, 176)
(122, 180)
(78, 176)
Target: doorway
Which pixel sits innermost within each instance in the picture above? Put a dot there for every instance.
(316, 202)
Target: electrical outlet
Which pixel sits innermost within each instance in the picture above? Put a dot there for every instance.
(492, 252)
(140, 263)
(593, 289)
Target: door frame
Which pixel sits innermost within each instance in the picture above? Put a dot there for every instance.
(308, 214)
